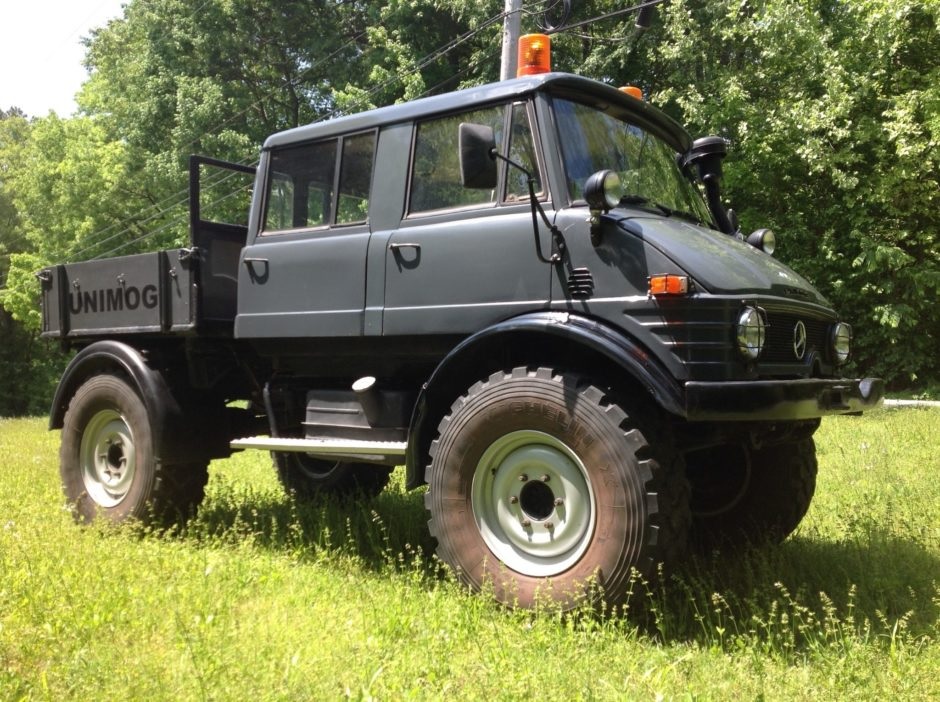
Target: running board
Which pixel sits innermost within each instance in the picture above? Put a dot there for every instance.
(356, 449)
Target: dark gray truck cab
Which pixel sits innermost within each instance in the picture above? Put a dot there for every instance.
(589, 380)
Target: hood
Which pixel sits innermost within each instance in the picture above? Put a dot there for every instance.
(718, 262)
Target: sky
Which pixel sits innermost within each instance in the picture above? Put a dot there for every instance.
(41, 51)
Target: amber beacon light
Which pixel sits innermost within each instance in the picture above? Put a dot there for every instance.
(535, 54)
(632, 91)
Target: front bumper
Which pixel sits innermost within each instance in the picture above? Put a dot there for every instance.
(778, 400)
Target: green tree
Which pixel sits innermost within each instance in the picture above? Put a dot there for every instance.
(833, 111)
(832, 108)
(28, 366)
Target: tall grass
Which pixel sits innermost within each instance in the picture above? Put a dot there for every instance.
(262, 598)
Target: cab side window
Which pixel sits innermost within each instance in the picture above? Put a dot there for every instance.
(435, 174)
(355, 179)
(318, 185)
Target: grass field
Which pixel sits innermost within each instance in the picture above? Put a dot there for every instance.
(261, 599)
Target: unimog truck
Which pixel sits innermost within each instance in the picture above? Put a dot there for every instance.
(529, 294)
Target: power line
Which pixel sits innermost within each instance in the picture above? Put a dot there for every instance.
(179, 198)
(609, 15)
(166, 226)
(416, 66)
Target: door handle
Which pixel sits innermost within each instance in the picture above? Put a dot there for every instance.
(258, 269)
(405, 245)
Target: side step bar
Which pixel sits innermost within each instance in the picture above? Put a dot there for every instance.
(391, 452)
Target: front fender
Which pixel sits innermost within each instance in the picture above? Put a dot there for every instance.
(589, 334)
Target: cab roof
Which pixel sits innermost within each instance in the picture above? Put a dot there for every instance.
(564, 85)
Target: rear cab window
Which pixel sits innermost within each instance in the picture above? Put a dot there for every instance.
(318, 185)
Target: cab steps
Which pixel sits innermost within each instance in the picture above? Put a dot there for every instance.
(392, 452)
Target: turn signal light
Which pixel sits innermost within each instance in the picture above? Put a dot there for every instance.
(632, 91)
(669, 285)
(535, 54)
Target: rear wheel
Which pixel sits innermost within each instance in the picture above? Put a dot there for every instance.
(107, 461)
(744, 496)
(541, 486)
(307, 477)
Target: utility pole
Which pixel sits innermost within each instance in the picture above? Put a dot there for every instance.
(511, 24)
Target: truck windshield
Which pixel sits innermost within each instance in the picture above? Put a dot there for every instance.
(592, 140)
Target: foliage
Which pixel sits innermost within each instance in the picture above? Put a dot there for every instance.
(832, 108)
(28, 367)
(836, 107)
(267, 599)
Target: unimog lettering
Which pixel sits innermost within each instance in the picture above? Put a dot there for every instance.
(117, 299)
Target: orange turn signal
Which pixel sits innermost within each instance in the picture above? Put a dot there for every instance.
(535, 54)
(632, 91)
(668, 285)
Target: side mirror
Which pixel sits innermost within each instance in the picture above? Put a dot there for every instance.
(477, 156)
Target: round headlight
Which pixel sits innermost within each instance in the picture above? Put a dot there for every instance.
(763, 239)
(603, 190)
(751, 333)
(841, 341)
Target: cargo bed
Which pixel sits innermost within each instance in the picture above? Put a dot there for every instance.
(178, 291)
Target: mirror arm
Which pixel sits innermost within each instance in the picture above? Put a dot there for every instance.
(560, 246)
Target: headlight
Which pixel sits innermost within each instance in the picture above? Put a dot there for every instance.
(603, 190)
(841, 341)
(763, 239)
(751, 333)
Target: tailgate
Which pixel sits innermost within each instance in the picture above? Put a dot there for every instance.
(143, 293)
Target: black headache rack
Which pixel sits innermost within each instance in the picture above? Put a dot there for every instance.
(178, 291)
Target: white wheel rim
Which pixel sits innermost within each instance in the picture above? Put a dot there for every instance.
(533, 503)
(108, 458)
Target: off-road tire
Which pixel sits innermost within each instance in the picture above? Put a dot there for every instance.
(520, 441)
(108, 465)
(306, 477)
(768, 505)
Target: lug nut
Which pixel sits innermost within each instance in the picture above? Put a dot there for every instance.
(513, 500)
(545, 478)
(526, 523)
(549, 526)
(559, 502)
(523, 478)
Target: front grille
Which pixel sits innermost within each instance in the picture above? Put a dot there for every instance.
(779, 346)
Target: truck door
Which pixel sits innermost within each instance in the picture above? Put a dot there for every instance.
(462, 258)
(304, 275)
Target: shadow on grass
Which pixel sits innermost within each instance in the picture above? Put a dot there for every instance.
(376, 531)
(795, 591)
(811, 587)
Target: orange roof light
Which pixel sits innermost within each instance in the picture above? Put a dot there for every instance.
(535, 54)
(669, 285)
(632, 91)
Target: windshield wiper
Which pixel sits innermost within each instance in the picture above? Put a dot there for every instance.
(661, 208)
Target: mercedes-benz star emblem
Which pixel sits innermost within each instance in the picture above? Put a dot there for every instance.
(799, 340)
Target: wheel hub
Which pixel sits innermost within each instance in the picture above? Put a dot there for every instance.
(537, 500)
(108, 459)
(533, 503)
